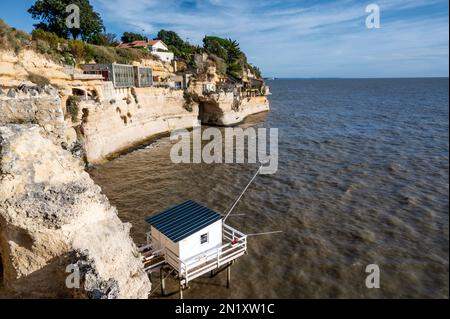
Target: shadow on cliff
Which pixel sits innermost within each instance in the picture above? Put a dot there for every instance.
(210, 113)
(46, 282)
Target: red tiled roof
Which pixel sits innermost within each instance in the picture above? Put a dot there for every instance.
(138, 44)
(135, 44)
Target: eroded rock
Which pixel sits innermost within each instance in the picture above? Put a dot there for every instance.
(52, 215)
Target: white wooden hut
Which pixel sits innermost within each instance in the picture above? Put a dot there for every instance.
(193, 240)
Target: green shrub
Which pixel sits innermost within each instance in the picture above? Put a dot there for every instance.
(88, 53)
(77, 49)
(38, 79)
(127, 56)
(68, 52)
(68, 59)
(255, 70)
(221, 65)
(12, 39)
(73, 107)
(52, 40)
(3, 28)
(103, 54)
(43, 47)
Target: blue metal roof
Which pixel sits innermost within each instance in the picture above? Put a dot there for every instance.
(183, 220)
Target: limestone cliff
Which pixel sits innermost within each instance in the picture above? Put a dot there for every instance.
(104, 120)
(225, 101)
(96, 121)
(226, 109)
(18, 69)
(121, 120)
(52, 215)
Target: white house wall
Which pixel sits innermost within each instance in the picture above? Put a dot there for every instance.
(164, 56)
(164, 242)
(191, 245)
(159, 46)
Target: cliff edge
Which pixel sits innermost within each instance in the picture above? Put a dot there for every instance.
(59, 236)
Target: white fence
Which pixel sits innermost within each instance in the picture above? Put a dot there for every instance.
(196, 266)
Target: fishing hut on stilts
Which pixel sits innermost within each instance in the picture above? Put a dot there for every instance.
(190, 240)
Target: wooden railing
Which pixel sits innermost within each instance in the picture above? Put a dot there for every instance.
(215, 258)
(196, 266)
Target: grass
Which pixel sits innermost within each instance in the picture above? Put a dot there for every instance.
(38, 79)
(13, 39)
(69, 52)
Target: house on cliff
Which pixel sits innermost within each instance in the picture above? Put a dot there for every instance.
(121, 75)
(156, 47)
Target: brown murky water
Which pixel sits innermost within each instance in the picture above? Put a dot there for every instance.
(363, 178)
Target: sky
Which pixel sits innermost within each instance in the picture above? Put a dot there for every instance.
(292, 38)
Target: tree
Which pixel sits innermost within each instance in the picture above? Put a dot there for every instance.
(182, 49)
(229, 51)
(104, 39)
(171, 38)
(213, 45)
(226, 49)
(233, 49)
(129, 37)
(52, 15)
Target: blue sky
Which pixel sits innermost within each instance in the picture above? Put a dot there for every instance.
(288, 38)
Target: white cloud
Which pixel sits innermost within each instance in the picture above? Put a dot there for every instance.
(288, 38)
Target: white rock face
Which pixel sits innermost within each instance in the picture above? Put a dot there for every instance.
(123, 121)
(52, 215)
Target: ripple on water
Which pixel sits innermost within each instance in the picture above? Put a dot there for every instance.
(362, 179)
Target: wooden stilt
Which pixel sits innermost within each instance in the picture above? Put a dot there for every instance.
(181, 291)
(228, 276)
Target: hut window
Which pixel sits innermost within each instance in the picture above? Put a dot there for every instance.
(204, 239)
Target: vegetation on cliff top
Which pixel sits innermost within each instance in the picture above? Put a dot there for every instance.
(129, 37)
(225, 53)
(12, 39)
(229, 51)
(52, 16)
(70, 52)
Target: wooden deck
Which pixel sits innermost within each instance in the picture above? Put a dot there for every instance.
(234, 246)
